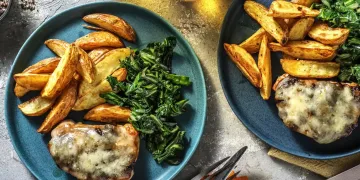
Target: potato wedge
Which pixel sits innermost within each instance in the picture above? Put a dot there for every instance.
(36, 106)
(96, 54)
(61, 108)
(90, 97)
(85, 67)
(108, 113)
(245, 62)
(44, 66)
(32, 81)
(259, 13)
(113, 24)
(252, 44)
(57, 46)
(110, 63)
(305, 50)
(93, 27)
(328, 35)
(98, 39)
(284, 9)
(264, 64)
(300, 29)
(310, 69)
(63, 73)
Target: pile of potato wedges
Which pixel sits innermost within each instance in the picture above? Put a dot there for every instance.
(77, 76)
(308, 46)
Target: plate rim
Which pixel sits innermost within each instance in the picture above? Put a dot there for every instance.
(177, 32)
(253, 130)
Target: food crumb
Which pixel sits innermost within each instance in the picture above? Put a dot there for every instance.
(3, 5)
(27, 4)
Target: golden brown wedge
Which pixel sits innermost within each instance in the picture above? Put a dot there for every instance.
(310, 69)
(63, 73)
(252, 44)
(93, 28)
(90, 97)
(110, 63)
(85, 67)
(108, 113)
(32, 81)
(112, 23)
(245, 62)
(328, 35)
(305, 50)
(284, 9)
(264, 64)
(259, 13)
(96, 54)
(300, 28)
(97, 40)
(61, 108)
(36, 106)
(44, 66)
(57, 46)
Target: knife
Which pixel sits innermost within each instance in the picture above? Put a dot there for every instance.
(351, 174)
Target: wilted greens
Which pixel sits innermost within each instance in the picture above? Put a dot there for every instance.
(153, 94)
(346, 14)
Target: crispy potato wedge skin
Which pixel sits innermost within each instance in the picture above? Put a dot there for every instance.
(310, 69)
(284, 9)
(259, 13)
(97, 40)
(32, 81)
(300, 29)
(61, 108)
(96, 54)
(57, 46)
(328, 35)
(112, 23)
(252, 44)
(305, 50)
(44, 66)
(108, 113)
(36, 106)
(93, 28)
(245, 62)
(264, 64)
(85, 67)
(90, 97)
(63, 73)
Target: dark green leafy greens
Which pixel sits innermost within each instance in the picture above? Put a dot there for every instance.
(346, 14)
(153, 94)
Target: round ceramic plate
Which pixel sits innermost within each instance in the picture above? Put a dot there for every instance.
(32, 146)
(260, 116)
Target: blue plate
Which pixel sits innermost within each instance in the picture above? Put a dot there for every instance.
(32, 147)
(259, 116)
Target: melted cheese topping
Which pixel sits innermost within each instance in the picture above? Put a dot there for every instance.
(94, 153)
(322, 110)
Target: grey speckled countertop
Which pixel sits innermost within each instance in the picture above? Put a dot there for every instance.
(200, 23)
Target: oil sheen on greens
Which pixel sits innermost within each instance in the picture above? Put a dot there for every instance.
(153, 94)
(345, 13)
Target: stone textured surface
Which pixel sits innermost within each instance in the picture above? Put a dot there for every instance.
(200, 23)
